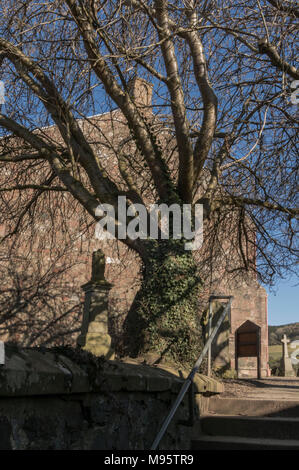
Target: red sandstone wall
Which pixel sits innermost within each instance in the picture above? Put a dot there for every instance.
(67, 254)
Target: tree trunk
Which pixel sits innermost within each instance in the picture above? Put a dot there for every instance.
(164, 316)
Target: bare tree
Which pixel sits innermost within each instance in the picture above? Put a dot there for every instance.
(221, 131)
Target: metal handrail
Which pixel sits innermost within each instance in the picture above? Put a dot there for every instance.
(190, 377)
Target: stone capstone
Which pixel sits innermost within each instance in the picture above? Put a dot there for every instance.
(50, 400)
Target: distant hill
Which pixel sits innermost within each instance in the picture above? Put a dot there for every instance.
(276, 332)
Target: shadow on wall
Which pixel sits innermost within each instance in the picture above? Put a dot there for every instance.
(37, 305)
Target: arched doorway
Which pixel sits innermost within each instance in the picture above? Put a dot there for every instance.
(248, 350)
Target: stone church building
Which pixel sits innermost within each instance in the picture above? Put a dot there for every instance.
(49, 318)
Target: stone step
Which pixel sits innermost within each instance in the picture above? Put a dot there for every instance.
(252, 427)
(242, 443)
(251, 407)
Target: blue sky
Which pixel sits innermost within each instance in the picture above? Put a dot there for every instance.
(283, 302)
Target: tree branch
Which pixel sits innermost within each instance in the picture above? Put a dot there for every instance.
(293, 212)
(74, 138)
(23, 187)
(207, 131)
(145, 141)
(266, 48)
(289, 9)
(174, 85)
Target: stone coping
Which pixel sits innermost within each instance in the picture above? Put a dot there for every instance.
(43, 372)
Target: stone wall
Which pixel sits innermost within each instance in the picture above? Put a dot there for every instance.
(249, 304)
(52, 400)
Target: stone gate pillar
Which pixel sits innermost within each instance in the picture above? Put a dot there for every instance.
(94, 335)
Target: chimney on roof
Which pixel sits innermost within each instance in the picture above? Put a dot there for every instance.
(141, 91)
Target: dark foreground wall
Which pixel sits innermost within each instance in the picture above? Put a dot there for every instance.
(50, 400)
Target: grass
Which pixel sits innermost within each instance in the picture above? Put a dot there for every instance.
(275, 352)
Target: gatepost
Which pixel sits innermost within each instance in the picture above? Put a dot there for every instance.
(94, 335)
